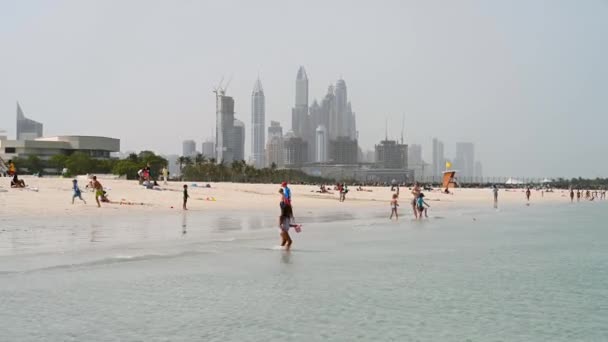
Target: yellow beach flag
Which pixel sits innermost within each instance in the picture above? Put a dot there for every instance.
(448, 165)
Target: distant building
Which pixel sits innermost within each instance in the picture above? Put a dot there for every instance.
(478, 171)
(274, 146)
(173, 165)
(391, 155)
(208, 149)
(465, 160)
(343, 150)
(239, 140)
(258, 125)
(415, 162)
(438, 159)
(295, 150)
(27, 129)
(189, 148)
(224, 127)
(44, 148)
(321, 145)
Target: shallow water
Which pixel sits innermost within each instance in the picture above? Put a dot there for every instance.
(520, 274)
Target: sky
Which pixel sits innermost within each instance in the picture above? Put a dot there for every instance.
(525, 80)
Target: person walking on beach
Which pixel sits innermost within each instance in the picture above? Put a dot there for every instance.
(165, 174)
(578, 195)
(528, 193)
(495, 191)
(571, 195)
(98, 191)
(186, 196)
(416, 193)
(394, 206)
(77, 192)
(285, 224)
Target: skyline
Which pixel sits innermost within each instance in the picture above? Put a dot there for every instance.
(513, 79)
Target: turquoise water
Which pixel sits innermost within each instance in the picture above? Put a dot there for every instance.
(535, 273)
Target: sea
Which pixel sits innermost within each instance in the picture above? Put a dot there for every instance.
(519, 273)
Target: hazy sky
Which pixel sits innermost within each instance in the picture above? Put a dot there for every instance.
(526, 81)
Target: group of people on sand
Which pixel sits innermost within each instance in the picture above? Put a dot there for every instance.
(419, 205)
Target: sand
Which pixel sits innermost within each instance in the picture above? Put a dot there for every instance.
(53, 196)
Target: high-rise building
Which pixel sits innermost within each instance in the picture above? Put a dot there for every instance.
(295, 150)
(189, 148)
(343, 150)
(391, 155)
(258, 125)
(299, 113)
(208, 149)
(321, 144)
(224, 127)
(27, 129)
(465, 160)
(341, 121)
(274, 146)
(414, 155)
(239, 140)
(478, 171)
(438, 158)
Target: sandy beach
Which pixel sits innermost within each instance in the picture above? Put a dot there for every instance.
(52, 196)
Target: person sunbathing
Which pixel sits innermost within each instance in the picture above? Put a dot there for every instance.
(17, 183)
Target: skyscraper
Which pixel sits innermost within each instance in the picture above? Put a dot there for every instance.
(438, 158)
(189, 148)
(258, 125)
(224, 126)
(299, 114)
(229, 139)
(391, 155)
(27, 129)
(274, 146)
(341, 121)
(478, 172)
(321, 144)
(208, 149)
(465, 159)
(295, 150)
(238, 140)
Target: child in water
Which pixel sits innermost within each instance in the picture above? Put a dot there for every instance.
(394, 205)
(285, 224)
(186, 196)
(420, 205)
(77, 192)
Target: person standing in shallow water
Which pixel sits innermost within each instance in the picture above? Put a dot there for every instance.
(495, 191)
(528, 193)
(186, 196)
(394, 206)
(571, 195)
(415, 192)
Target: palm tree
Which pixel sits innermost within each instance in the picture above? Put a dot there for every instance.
(181, 161)
(200, 159)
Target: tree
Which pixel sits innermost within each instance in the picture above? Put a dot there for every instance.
(80, 163)
(126, 167)
(34, 164)
(199, 159)
(58, 161)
